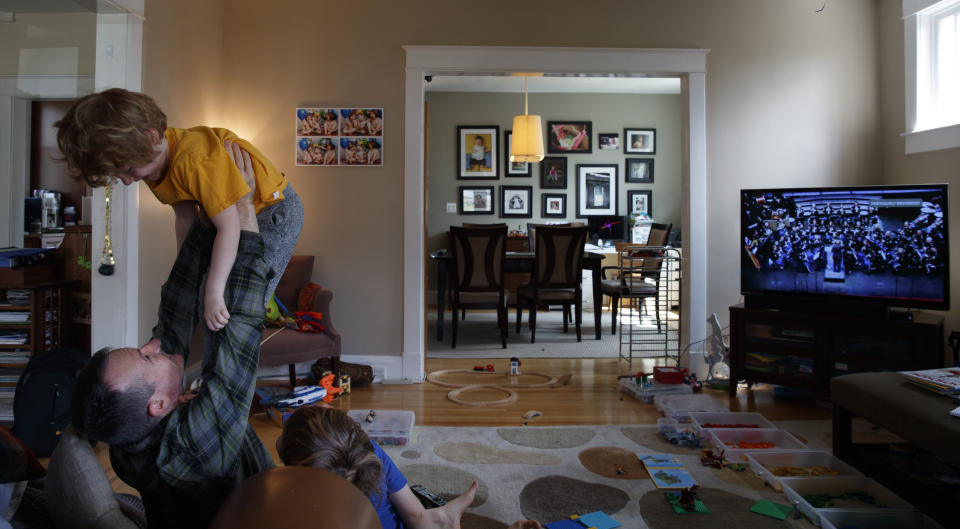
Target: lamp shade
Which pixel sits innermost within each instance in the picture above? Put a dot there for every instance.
(526, 144)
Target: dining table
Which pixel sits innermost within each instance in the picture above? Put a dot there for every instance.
(514, 262)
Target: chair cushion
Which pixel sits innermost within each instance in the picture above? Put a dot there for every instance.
(79, 493)
(556, 295)
(286, 346)
(480, 297)
(612, 287)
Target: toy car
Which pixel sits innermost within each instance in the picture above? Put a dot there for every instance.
(302, 396)
(684, 438)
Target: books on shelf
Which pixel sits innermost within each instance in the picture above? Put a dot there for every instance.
(14, 317)
(10, 374)
(945, 380)
(13, 337)
(6, 404)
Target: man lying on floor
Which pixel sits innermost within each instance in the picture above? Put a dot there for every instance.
(184, 452)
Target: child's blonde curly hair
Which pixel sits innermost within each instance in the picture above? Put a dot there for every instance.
(104, 133)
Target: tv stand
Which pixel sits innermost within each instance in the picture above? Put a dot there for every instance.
(803, 349)
(812, 305)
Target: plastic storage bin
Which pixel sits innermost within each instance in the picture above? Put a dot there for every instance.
(782, 441)
(387, 427)
(762, 464)
(647, 393)
(796, 488)
(702, 420)
(680, 406)
(839, 518)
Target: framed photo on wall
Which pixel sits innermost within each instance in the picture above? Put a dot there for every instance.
(596, 189)
(478, 151)
(553, 172)
(565, 137)
(553, 205)
(514, 169)
(640, 202)
(515, 201)
(638, 171)
(640, 141)
(476, 200)
(608, 141)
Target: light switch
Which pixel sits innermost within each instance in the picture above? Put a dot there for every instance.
(451, 207)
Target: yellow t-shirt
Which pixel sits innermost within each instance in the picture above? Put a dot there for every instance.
(201, 171)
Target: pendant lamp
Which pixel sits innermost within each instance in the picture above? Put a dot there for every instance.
(526, 144)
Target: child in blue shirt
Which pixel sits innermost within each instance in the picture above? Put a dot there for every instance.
(329, 439)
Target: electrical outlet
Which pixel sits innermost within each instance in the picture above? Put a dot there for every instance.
(451, 207)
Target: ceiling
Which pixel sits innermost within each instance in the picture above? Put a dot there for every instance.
(554, 84)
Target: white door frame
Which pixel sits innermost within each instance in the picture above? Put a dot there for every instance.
(689, 64)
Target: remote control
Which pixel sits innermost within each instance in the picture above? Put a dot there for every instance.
(427, 497)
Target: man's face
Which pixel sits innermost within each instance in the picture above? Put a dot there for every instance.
(161, 371)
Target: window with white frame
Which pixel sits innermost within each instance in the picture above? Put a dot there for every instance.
(932, 60)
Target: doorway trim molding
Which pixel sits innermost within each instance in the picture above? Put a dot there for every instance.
(688, 64)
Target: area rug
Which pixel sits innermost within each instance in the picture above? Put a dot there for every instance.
(549, 473)
(478, 337)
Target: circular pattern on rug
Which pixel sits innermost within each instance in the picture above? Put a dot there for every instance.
(726, 510)
(648, 437)
(475, 521)
(612, 462)
(744, 478)
(485, 454)
(547, 437)
(446, 482)
(557, 497)
(410, 454)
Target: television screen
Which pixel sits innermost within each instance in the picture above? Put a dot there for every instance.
(883, 243)
(606, 227)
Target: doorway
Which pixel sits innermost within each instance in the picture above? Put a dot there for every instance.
(689, 65)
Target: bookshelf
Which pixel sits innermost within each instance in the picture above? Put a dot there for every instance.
(31, 320)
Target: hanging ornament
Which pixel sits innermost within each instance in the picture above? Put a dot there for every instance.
(107, 262)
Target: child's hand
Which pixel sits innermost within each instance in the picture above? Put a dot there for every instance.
(241, 159)
(215, 312)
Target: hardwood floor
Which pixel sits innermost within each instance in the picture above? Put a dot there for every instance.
(590, 397)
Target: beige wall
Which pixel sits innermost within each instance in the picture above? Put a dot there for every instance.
(899, 168)
(185, 38)
(792, 99)
(49, 44)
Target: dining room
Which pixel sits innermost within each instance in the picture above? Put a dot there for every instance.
(612, 164)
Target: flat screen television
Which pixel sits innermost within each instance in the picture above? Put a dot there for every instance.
(606, 227)
(874, 246)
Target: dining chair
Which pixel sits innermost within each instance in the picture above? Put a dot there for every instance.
(463, 310)
(642, 283)
(556, 275)
(478, 283)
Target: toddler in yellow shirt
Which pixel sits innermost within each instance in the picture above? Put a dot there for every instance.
(121, 134)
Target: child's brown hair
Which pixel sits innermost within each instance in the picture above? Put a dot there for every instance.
(329, 439)
(104, 133)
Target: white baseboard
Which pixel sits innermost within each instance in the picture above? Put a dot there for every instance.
(386, 369)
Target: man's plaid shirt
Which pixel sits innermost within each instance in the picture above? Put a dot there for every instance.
(193, 459)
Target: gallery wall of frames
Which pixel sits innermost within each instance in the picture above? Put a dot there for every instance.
(606, 154)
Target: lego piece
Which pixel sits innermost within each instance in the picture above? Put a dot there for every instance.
(564, 524)
(771, 509)
(599, 519)
(674, 499)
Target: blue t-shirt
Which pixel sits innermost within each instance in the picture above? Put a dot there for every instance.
(391, 480)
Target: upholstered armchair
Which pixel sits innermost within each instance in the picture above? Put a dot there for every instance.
(281, 346)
